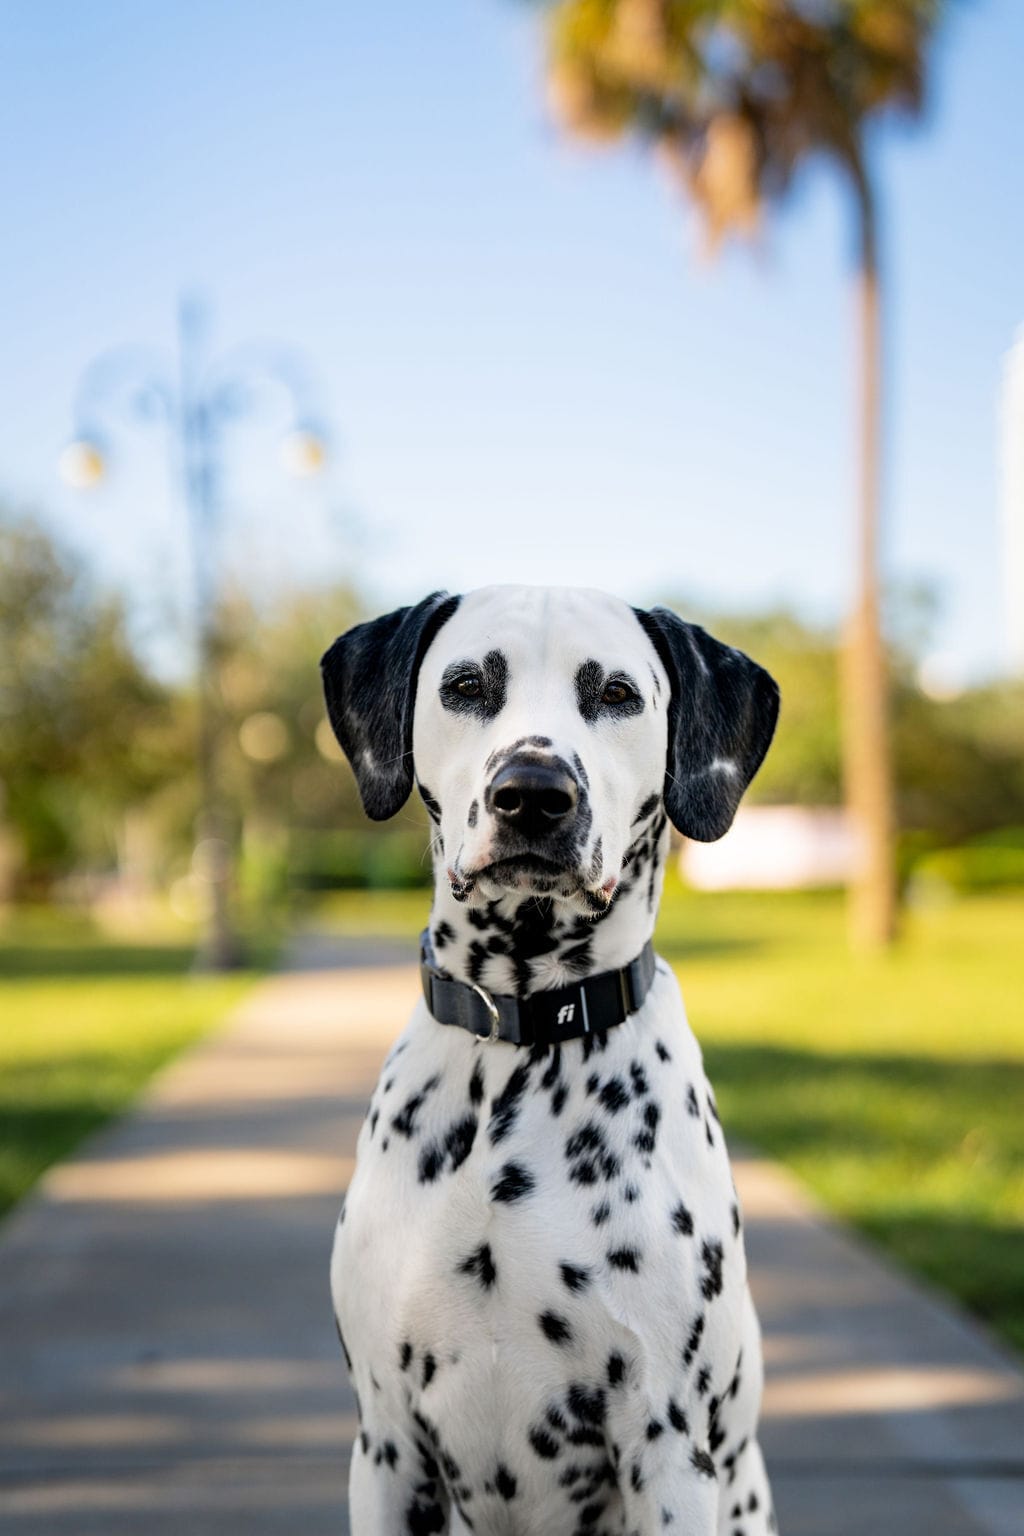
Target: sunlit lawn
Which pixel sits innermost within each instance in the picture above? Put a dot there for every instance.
(83, 1024)
(894, 1086)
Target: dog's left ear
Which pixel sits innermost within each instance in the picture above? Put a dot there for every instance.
(370, 676)
(721, 719)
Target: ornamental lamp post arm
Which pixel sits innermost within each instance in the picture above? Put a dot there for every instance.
(195, 400)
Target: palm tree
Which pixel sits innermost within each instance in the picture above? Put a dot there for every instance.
(734, 95)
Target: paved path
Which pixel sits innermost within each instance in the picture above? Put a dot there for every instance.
(168, 1362)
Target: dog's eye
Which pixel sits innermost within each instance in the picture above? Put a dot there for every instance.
(617, 692)
(469, 687)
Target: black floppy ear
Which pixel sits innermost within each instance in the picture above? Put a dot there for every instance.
(370, 675)
(721, 719)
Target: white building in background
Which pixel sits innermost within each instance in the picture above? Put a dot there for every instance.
(775, 848)
(1012, 433)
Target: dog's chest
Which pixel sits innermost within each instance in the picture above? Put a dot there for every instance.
(531, 1216)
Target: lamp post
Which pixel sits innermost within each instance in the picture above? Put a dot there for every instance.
(195, 398)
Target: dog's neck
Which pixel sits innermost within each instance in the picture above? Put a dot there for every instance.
(520, 944)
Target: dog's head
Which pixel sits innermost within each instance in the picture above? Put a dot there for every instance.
(544, 726)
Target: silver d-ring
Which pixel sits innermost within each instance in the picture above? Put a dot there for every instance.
(489, 1004)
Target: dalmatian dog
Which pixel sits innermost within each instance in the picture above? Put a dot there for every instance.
(539, 1274)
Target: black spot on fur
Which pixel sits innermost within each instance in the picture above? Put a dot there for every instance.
(505, 1108)
(545, 1445)
(424, 1519)
(473, 813)
(405, 1355)
(677, 1418)
(481, 1264)
(554, 1066)
(449, 1153)
(505, 1483)
(555, 1328)
(588, 1155)
(514, 1182)
(574, 1277)
(682, 1220)
(702, 1462)
(614, 1095)
(624, 1258)
(693, 1341)
(711, 1255)
(616, 1369)
(405, 1120)
(586, 1403)
(646, 1139)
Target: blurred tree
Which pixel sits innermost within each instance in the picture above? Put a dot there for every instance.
(735, 95)
(282, 766)
(959, 761)
(804, 765)
(83, 727)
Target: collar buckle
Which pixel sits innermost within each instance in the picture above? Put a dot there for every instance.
(492, 1009)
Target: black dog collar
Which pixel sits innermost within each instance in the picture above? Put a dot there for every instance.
(544, 1018)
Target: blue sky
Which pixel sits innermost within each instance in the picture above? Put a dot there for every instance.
(530, 372)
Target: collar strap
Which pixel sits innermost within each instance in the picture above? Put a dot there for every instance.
(588, 1007)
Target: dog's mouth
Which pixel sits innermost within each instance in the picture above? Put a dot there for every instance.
(533, 875)
(528, 869)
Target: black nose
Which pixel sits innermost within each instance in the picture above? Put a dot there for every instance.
(532, 797)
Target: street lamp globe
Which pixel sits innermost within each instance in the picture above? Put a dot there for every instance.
(82, 463)
(304, 451)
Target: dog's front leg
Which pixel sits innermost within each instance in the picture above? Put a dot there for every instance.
(675, 1498)
(395, 1487)
(667, 1486)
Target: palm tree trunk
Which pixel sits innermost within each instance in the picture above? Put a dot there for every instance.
(866, 754)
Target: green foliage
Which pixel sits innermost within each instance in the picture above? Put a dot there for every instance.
(959, 762)
(81, 721)
(991, 863)
(94, 751)
(367, 857)
(277, 758)
(287, 778)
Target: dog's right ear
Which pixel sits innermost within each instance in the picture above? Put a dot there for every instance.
(370, 676)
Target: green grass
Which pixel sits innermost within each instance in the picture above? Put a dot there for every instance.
(84, 1023)
(894, 1086)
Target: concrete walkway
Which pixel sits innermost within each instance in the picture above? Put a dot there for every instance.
(168, 1362)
